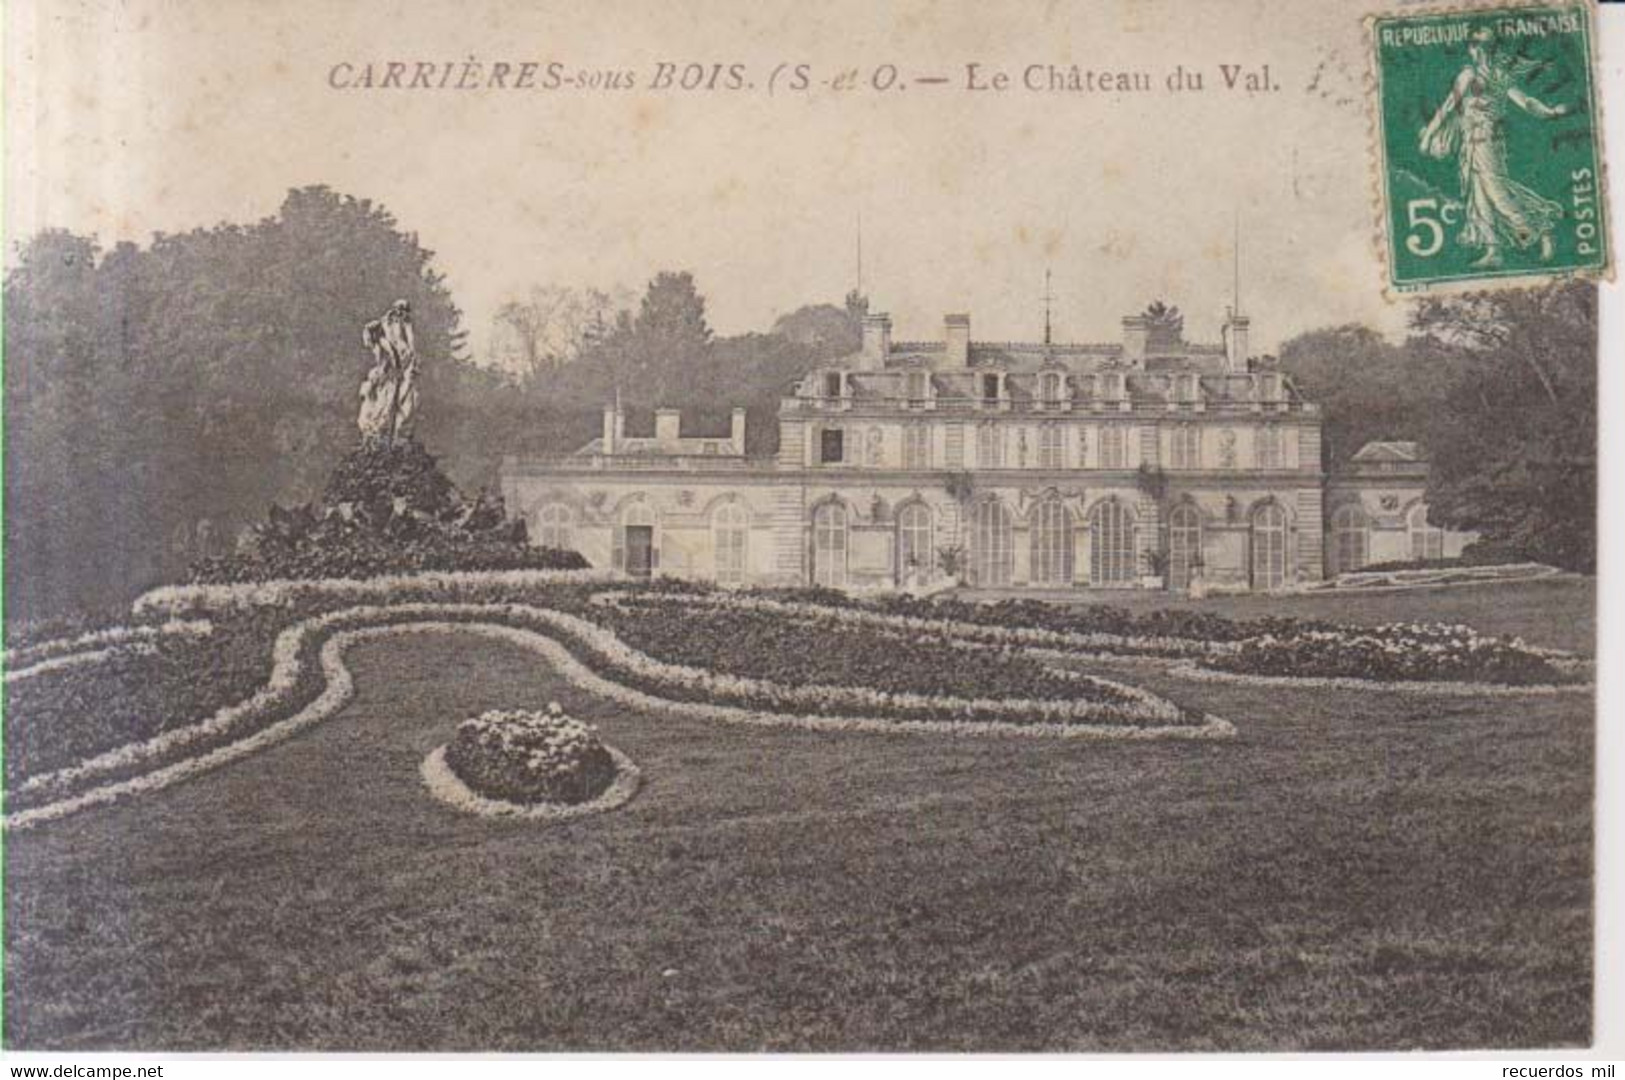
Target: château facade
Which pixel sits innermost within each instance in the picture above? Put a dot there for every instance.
(1149, 462)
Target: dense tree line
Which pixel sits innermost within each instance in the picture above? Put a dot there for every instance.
(159, 398)
(1501, 390)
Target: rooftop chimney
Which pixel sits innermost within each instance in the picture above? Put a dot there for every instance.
(736, 429)
(956, 337)
(668, 423)
(876, 341)
(611, 429)
(1135, 333)
(1236, 342)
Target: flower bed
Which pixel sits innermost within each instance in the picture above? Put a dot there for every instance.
(1398, 652)
(525, 757)
(286, 706)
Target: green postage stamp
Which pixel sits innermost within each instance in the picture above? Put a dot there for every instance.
(1489, 144)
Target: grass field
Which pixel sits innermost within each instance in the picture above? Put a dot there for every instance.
(1354, 870)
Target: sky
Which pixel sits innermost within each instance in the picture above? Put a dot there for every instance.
(127, 117)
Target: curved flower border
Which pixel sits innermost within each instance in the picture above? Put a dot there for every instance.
(1189, 669)
(339, 689)
(42, 656)
(449, 788)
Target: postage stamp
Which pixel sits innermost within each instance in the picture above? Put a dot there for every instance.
(1489, 145)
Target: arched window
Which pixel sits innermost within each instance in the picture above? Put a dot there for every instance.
(829, 546)
(989, 446)
(1111, 544)
(1184, 544)
(730, 535)
(1427, 542)
(915, 553)
(1051, 446)
(553, 527)
(1052, 543)
(1351, 540)
(1050, 387)
(993, 552)
(1269, 547)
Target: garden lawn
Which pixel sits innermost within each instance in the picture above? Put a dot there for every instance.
(1356, 870)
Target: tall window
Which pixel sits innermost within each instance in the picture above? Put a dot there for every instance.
(1052, 543)
(829, 545)
(993, 532)
(1185, 447)
(831, 446)
(915, 554)
(1269, 547)
(1113, 447)
(1051, 446)
(1111, 544)
(1351, 540)
(1427, 542)
(553, 527)
(916, 446)
(1269, 447)
(989, 446)
(730, 533)
(1184, 544)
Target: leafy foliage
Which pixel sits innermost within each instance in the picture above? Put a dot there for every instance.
(1501, 389)
(163, 396)
(389, 510)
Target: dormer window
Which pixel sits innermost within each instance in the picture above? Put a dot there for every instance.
(990, 388)
(918, 386)
(1269, 386)
(1185, 387)
(1049, 387)
(832, 384)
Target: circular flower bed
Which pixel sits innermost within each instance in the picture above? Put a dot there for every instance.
(524, 757)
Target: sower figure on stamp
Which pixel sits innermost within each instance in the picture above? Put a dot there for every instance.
(1470, 124)
(389, 393)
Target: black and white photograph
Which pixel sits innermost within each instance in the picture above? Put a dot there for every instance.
(744, 529)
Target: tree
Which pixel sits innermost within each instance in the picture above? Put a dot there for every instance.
(1514, 447)
(550, 328)
(161, 397)
(1366, 387)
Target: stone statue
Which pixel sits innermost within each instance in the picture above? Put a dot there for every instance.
(389, 392)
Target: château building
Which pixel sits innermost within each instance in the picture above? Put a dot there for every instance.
(1142, 462)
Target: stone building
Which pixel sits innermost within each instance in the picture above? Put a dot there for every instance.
(1131, 464)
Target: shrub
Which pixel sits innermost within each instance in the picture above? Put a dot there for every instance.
(520, 756)
(389, 509)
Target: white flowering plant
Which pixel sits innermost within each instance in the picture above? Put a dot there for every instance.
(525, 756)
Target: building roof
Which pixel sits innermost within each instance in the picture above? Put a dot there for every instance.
(1386, 451)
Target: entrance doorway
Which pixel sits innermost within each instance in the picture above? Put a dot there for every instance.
(640, 550)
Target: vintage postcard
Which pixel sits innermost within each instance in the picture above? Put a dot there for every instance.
(543, 527)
